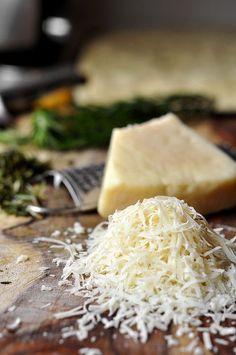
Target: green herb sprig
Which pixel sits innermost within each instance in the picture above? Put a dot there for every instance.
(91, 126)
(17, 173)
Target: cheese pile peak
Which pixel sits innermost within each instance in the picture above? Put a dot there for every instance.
(152, 263)
(165, 157)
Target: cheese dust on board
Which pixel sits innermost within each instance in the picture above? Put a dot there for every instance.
(153, 264)
(90, 351)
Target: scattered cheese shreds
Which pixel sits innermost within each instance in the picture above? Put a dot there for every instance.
(151, 264)
(191, 346)
(14, 325)
(198, 351)
(221, 341)
(171, 341)
(93, 339)
(77, 228)
(45, 305)
(90, 351)
(12, 308)
(55, 234)
(46, 288)
(207, 340)
(22, 258)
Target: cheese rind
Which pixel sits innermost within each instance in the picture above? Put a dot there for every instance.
(165, 157)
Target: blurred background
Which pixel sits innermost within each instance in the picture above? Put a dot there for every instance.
(103, 52)
(41, 32)
(72, 70)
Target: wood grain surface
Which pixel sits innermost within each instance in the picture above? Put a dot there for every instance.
(20, 283)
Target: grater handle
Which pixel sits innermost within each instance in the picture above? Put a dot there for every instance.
(79, 182)
(45, 211)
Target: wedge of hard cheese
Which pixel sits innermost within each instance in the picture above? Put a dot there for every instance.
(165, 157)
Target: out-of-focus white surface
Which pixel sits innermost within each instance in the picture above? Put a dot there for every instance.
(126, 64)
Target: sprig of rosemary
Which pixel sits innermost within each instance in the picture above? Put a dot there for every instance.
(17, 173)
(92, 125)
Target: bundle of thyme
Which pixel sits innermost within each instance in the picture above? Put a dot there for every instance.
(17, 190)
(91, 126)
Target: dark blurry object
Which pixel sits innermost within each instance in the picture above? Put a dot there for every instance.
(91, 126)
(15, 32)
(19, 88)
(228, 149)
(37, 32)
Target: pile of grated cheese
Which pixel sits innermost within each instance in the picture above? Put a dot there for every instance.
(151, 264)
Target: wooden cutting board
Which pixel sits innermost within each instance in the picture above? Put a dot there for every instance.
(20, 283)
(39, 331)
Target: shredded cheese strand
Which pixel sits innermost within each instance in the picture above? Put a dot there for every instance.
(151, 264)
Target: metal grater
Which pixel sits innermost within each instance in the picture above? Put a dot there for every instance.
(83, 185)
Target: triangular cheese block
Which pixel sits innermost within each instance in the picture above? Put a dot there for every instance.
(165, 157)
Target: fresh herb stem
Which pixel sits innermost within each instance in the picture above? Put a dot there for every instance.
(91, 126)
(17, 173)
